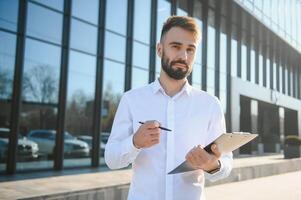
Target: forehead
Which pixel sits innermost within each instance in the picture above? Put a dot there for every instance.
(180, 35)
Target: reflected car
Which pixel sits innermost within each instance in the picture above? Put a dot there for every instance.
(88, 140)
(46, 141)
(27, 149)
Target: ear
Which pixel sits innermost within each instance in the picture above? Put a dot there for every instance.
(159, 49)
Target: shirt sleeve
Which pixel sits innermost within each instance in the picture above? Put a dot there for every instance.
(120, 150)
(216, 128)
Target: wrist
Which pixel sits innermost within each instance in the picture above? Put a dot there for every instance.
(216, 169)
(134, 142)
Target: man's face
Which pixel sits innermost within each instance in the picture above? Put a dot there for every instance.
(177, 51)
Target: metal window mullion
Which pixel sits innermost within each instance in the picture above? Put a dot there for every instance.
(190, 4)
(239, 33)
(174, 6)
(17, 89)
(98, 85)
(217, 23)
(129, 45)
(153, 40)
(257, 57)
(277, 67)
(204, 44)
(228, 56)
(249, 48)
(59, 146)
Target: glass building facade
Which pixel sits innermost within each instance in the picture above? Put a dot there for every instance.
(64, 66)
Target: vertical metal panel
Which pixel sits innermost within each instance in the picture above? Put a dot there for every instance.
(239, 34)
(248, 33)
(174, 6)
(204, 44)
(153, 40)
(59, 147)
(228, 57)
(129, 45)
(17, 89)
(99, 83)
(217, 23)
(256, 27)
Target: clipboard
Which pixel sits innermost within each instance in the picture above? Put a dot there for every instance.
(226, 143)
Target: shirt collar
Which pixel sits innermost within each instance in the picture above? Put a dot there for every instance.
(156, 86)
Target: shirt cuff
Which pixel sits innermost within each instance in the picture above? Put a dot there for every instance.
(130, 149)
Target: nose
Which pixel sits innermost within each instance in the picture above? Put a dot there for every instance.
(183, 55)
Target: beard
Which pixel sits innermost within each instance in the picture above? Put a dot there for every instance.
(175, 73)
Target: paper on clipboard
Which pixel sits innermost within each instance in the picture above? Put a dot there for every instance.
(226, 143)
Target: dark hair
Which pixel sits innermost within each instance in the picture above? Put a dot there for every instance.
(187, 23)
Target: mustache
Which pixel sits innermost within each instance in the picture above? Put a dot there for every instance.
(180, 62)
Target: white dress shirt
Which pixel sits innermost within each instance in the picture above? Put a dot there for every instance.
(195, 118)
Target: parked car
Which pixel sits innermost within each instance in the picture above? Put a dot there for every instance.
(26, 150)
(88, 140)
(46, 140)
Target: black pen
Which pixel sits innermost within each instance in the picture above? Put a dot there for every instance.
(165, 129)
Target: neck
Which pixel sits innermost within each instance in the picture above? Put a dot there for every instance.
(170, 85)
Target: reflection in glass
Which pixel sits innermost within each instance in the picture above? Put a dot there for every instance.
(9, 14)
(260, 70)
(113, 88)
(83, 36)
(252, 66)
(44, 23)
(142, 18)
(243, 62)
(211, 58)
(140, 55)
(116, 15)
(86, 10)
(268, 73)
(280, 78)
(139, 77)
(7, 64)
(233, 58)
(56, 4)
(80, 104)
(163, 12)
(111, 42)
(41, 72)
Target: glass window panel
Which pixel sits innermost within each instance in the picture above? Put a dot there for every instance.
(260, 70)
(41, 72)
(274, 76)
(7, 64)
(44, 23)
(39, 108)
(243, 62)
(268, 72)
(211, 48)
(233, 58)
(56, 4)
(223, 53)
(197, 75)
(223, 81)
(252, 66)
(280, 78)
(86, 10)
(37, 123)
(9, 14)
(83, 36)
(111, 42)
(140, 55)
(210, 78)
(139, 77)
(79, 110)
(210, 90)
(163, 12)
(116, 16)
(223, 100)
(142, 20)
(113, 88)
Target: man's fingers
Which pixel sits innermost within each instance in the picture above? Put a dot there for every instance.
(152, 124)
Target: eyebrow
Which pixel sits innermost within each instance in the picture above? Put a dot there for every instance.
(179, 43)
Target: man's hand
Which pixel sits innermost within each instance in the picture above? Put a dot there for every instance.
(147, 135)
(198, 158)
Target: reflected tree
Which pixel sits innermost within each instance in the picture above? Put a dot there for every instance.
(40, 84)
(5, 84)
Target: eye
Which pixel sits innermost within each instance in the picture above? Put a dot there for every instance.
(175, 46)
(190, 50)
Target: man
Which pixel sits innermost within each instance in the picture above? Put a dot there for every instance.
(194, 117)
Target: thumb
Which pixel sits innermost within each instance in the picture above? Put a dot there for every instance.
(216, 151)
